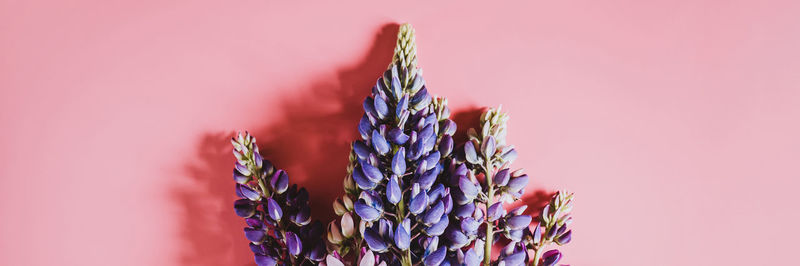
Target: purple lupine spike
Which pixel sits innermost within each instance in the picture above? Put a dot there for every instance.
(551, 257)
(518, 222)
(399, 162)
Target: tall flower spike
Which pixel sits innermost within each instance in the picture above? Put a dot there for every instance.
(266, 201)
(398, 162)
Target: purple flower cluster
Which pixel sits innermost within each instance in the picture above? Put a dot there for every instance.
(392, 187)
(278, 216)
(412, 195)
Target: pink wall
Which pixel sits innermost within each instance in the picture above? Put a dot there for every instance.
(676, 123)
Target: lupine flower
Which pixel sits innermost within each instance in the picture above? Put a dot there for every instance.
(552, 227)
(277, 215)
(400, 204)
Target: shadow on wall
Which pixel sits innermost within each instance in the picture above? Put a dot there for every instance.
(310, 140)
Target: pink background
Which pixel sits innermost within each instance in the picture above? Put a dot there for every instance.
(676, 123)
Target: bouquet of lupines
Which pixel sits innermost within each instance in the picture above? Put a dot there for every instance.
(278, 216)
(411, 198)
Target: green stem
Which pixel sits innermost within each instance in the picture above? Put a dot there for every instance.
(487, 249)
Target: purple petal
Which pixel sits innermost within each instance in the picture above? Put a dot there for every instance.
(262, 260)
(439, 227)
(518, 222)
(516, 259)
(446, 145)
(488, 147)
(470, 154)
(457, 238)
(436, 258)
(379, 142)
(254, 234)
(399, 162)
(564, 238)
(361, 149)
(280, 181)
(374, 241)
(434, 214)
(551, 257)
(469, 189)
(518, 183)
(465, 210)
(495, 211)
(501, 177)
(471, 258)
(362, 181)
(433, 159)
(418, 203)
(393, 192)
(248, 192)
(364, 127)
(372, 173)
(380, 107)
(397, 136)
(239, 178)
(366, 212)
(401, 237)
(244, 208)
(274, 209)
(401, 105)
(293, 243)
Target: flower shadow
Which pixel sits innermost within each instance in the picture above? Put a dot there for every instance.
(310, 139)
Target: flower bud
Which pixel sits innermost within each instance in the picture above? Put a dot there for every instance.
(338, 207)
(334, 234)
(348, 227)
(551, 257)
(274, 210)
(379, 143)
(255, 235)
(293, 243)
(469, 152)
